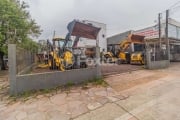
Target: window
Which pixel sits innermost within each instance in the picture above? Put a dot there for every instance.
(172, 32)
(138, 47)
(178, 33)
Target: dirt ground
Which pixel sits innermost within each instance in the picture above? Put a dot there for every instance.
(117, 69)
(4, 84)
(41, 70)
(106, 69)
(126, 81)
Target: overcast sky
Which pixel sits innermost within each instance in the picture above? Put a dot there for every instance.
(118, 15)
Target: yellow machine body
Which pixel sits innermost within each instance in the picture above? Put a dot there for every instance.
(127, 54)
(109, 57)
(122, 55)
(61, 62)
(137, 58)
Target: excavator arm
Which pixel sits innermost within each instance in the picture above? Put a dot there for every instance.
(124, 45)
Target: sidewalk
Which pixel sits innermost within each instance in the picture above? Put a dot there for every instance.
(139, 95)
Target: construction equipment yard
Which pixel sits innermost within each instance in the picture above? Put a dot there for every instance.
(89, 60)
(66, 85)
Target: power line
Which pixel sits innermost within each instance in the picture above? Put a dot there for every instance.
(175, 4)
(175, 9)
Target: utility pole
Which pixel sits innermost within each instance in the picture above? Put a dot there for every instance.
(167, 40)
(159, 24)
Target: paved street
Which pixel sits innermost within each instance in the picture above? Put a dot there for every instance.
(138, 95)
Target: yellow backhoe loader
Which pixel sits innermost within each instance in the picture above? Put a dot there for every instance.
(132, 50)
(60, 58)
(109, 57)
(64, 53)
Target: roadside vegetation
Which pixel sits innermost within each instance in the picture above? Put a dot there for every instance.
(17, 27)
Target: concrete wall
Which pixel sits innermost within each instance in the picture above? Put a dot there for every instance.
(54, 79)
(158, 64)
(22, 83)
(155, 64)
(175, 57)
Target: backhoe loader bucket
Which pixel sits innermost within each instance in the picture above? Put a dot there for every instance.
(80, 29)
(137, 38)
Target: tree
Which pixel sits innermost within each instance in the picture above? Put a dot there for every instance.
(16, 25)
(30, 45)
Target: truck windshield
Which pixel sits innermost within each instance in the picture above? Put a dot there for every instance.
(61, 43)
(138, 47)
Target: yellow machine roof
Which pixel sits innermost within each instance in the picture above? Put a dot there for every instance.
(57, 39)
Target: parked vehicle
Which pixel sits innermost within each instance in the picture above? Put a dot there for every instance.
(132, 50)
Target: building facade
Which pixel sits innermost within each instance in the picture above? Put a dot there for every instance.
(113, 42)
(152, 33)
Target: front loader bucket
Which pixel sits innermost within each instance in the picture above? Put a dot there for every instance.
(77, 28)
(139, 38)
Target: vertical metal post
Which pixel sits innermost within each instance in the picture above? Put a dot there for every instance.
(159, 24)
(154, 52)
(167, 39)
(48, 49)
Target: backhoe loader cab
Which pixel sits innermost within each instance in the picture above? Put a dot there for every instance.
(58, 44)
(60, 57)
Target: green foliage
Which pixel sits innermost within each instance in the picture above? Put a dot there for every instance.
(16, 25)
(98, 81)
(30, 45)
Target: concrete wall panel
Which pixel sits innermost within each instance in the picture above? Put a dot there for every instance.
(54, 79)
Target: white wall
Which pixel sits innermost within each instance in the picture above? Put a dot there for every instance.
(101, 36)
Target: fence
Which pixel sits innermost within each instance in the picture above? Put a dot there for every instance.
(24, 60)
(21, 83)
(156, 56)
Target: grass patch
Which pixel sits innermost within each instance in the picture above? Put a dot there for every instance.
(98, 81)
